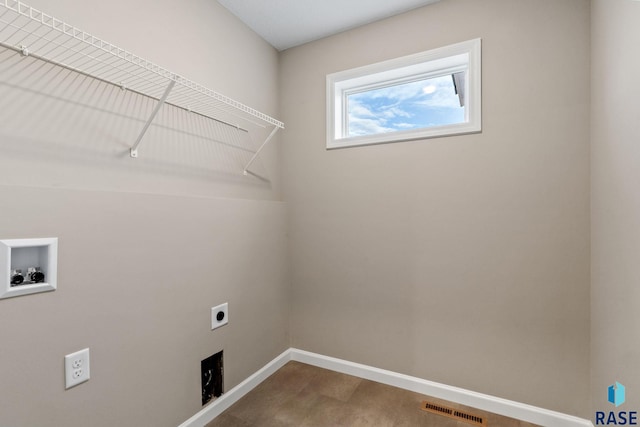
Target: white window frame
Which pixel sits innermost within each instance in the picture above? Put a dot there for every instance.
(429, 64)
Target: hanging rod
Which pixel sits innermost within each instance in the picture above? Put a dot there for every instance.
(34, 33)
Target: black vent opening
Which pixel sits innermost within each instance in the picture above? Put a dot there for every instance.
(456, 414)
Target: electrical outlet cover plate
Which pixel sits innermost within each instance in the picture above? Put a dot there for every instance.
(76, 368)
(219, 315)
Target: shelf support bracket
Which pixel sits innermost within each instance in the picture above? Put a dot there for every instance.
(134, 149)
(255, 155)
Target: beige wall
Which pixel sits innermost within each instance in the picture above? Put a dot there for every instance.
(615, 203)
(147, 246)
(463, 260)
(138, 275)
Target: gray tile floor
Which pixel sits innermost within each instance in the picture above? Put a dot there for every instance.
(302, 395)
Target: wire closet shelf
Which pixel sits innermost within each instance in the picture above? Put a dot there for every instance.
(34, 33)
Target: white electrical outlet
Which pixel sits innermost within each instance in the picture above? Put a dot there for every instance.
(76, 368)
(219, 315)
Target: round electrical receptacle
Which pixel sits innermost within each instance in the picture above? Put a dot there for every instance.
(220, 316)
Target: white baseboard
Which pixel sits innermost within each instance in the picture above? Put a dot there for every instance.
(218, 406)
(481, 401)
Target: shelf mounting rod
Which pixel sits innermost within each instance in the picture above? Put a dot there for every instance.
(134, 149)
(255, 155)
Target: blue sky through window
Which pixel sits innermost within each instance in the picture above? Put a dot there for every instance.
(406, 106)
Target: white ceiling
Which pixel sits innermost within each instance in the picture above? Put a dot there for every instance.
(289, 23)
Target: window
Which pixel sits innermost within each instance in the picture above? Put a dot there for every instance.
(429, 94)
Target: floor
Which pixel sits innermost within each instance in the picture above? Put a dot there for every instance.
(301, 395)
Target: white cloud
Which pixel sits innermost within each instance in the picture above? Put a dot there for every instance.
(398, 93)
(404, 125)
(359, 110)
(393, 112)
(359, 126)
(391, 108)
(428, 90)
(441, 99)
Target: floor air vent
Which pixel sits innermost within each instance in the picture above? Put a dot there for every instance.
(453, 413)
